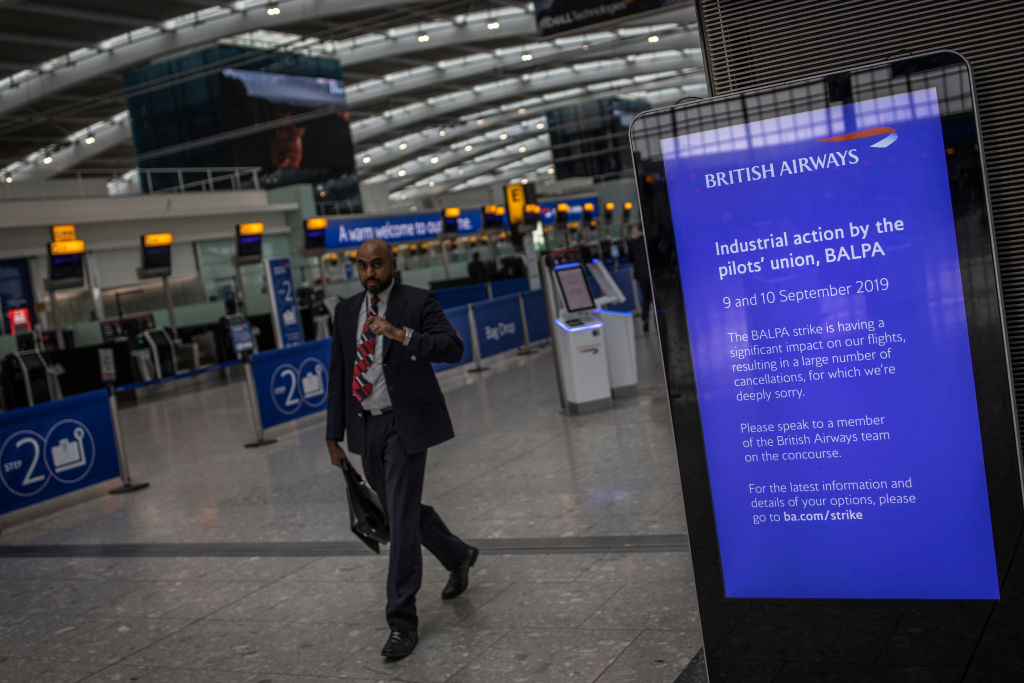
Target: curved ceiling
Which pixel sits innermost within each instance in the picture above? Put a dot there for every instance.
(443, 94)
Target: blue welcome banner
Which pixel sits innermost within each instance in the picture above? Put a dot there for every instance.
(292, 382)
(351, 232)
(547, 209)
(55, 448)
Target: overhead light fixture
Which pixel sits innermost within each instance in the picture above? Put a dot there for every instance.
(423, 38)
(480, 122)
(367, 159)
(522, 149)
(461, 171)
(435, 160)
(551, 171)
(273, 10)
(403, 145)
(468, 148)
(525, 181)
(521, 110)
(404, 196)
(585, 46)
(442, 133)
(493, 25)
(652, 39)
(432, 183)
(526, 57)
(540, 126)
(89, 140)
(8, 179)
(401, 172)
(503, 136)
(48, 160)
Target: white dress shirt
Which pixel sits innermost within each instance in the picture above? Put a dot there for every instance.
(379, 398)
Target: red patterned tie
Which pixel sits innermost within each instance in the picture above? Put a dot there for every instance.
(362, 389)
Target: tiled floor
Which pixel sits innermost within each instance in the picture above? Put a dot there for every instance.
(518, 476)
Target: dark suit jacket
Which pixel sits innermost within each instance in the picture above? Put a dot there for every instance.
(416, 398)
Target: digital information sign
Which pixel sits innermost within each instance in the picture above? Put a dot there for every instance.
(823, 298)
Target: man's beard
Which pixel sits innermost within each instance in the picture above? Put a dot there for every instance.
(384, 284)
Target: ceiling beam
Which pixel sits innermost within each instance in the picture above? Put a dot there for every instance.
(81, 14)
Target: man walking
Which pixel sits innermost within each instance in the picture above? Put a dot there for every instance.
(383, 394)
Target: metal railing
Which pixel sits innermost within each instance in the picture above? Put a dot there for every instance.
(98, 182)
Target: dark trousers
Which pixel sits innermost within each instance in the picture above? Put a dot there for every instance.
(645, 298)
(397, 477)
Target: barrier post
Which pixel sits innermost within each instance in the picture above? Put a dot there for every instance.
(254, 409)
(525, 349)
(475, 342)
(127, 485)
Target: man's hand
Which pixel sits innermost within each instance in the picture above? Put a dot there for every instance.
(380, 326)
(337, 453)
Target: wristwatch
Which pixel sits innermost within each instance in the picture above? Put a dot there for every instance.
(408, 336)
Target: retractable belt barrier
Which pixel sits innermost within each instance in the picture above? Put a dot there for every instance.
(55, 448)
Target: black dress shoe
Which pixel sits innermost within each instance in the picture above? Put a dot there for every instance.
(400, 644)
(458, 579)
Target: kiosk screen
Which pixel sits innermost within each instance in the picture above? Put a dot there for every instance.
(575, 291)
(241, 336)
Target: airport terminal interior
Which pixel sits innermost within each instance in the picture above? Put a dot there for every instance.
(160, 162)
(801, 462)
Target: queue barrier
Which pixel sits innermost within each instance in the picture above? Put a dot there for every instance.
(499, 324)
(291, 382)
(54, 448)
(459, 296)
(536, 313)
(459, 319)
(500, 288)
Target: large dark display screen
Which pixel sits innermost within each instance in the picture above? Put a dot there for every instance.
(300, 130)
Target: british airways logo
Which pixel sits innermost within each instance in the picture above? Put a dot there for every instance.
(890, 136)
(805, 164)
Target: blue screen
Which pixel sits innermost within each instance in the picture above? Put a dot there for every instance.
(826, 317)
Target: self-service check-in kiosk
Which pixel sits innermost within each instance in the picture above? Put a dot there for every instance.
(619, 335)
(580, 341)
(161, 350)
(31, 374)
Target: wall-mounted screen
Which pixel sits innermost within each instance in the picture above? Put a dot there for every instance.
(839, 350)
(575, 291)
(66, 267)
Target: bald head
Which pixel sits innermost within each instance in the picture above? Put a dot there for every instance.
(375, 264)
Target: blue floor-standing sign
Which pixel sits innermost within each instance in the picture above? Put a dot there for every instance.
(55, 448)
(284, 310)
(291, 382)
